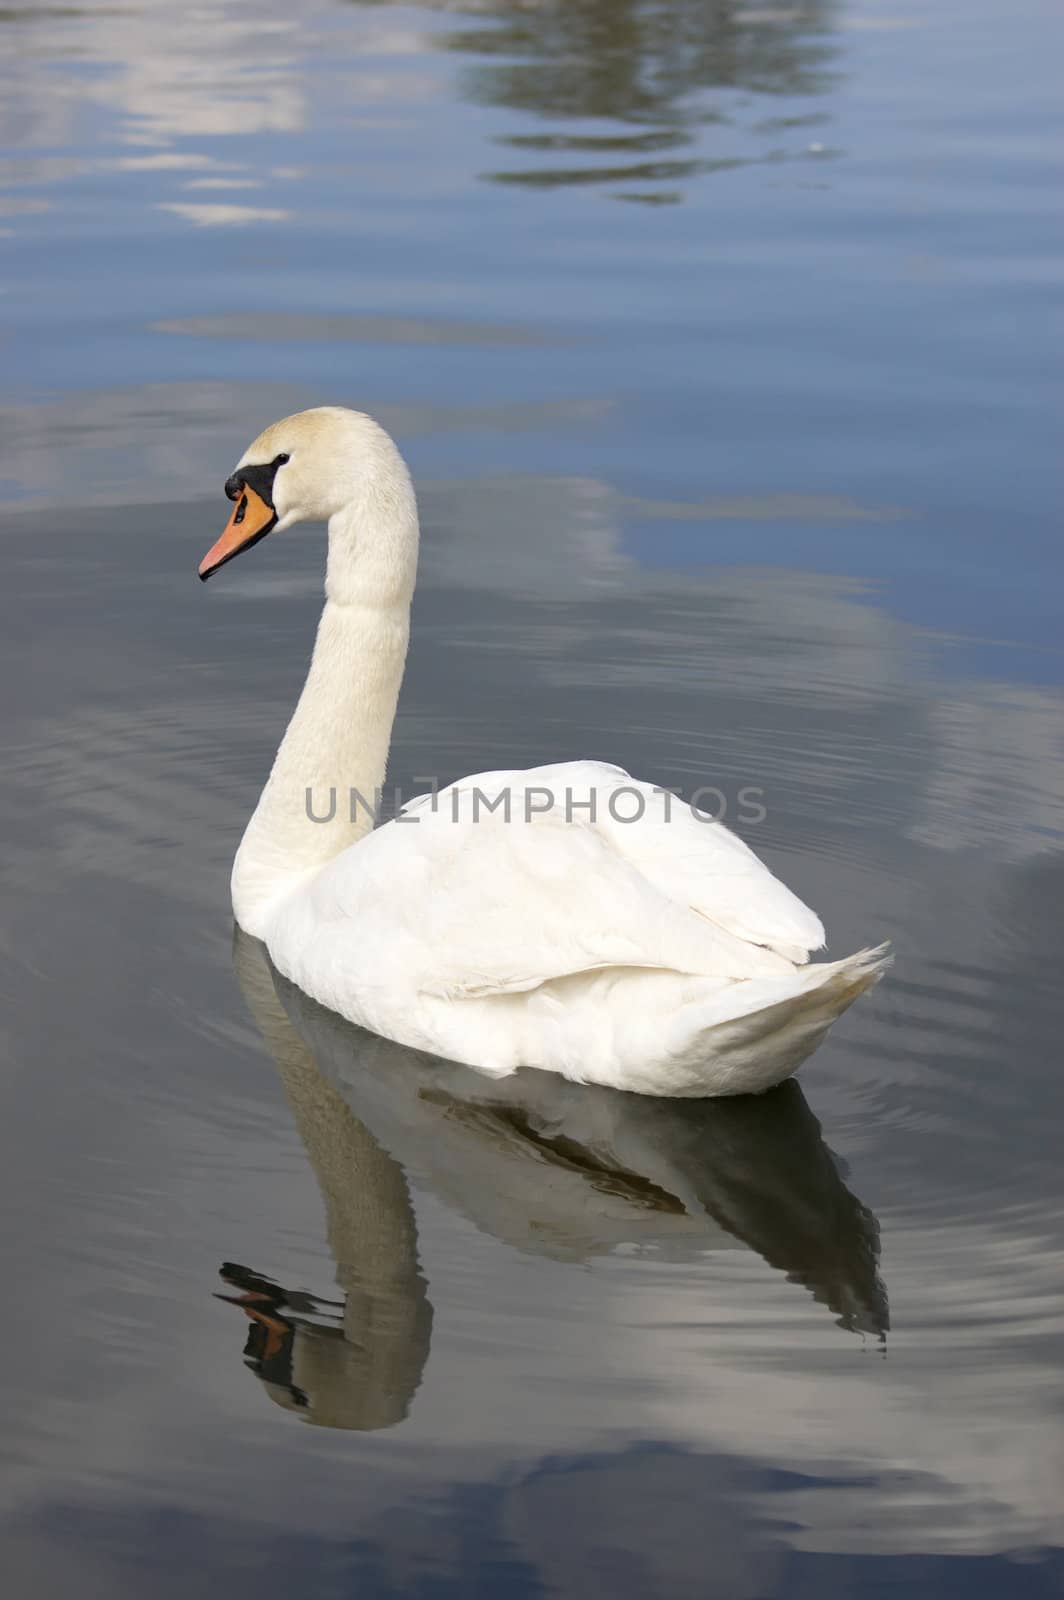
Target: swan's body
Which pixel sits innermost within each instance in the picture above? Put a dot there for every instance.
(565, 917)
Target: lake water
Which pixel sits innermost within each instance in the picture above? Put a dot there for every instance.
(720, 340)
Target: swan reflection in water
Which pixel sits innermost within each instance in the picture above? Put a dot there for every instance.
(550, 1167)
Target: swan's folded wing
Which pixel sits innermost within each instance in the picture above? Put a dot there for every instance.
(478, 896)
(691, 859)
(694, 859)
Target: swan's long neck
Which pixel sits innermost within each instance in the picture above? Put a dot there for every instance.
(330, 766)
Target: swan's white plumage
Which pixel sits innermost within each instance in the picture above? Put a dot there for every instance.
(566, 917)
(655, 864)
(542, 940)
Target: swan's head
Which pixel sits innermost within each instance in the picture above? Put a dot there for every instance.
(304, 468)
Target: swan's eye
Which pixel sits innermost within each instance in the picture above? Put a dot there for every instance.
(279, 461)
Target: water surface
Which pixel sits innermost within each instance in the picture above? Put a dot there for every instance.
(719, 340)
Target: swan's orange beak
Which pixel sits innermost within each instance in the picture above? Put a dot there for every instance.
(251, 521)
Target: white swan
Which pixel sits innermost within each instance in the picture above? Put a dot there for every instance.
(517, 918)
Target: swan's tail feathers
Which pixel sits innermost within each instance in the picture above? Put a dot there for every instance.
(755, 1034)
(852, 976)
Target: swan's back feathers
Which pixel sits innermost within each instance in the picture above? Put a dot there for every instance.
(691, 859)
(485, 890)
(507, 936)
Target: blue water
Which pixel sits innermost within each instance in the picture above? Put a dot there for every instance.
(723, 343)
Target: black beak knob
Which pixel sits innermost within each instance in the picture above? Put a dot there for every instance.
(234, 486)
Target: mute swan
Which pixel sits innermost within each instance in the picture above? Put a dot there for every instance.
(565, 917)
